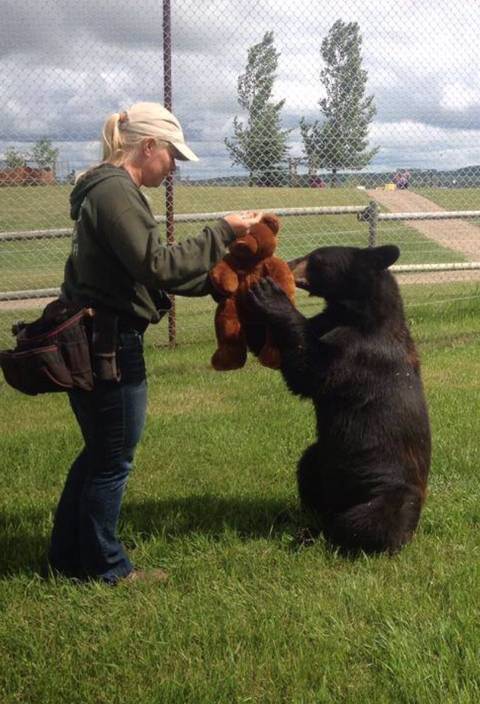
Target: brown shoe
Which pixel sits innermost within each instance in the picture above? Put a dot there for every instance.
(155, 575)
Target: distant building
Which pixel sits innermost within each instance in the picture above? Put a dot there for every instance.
(26, 176)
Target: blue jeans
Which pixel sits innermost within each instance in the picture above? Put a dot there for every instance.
(84, 541)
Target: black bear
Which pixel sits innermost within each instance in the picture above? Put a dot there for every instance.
(365, 479)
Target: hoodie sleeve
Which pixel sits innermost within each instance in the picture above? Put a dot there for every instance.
(176, 268)
(198, 286)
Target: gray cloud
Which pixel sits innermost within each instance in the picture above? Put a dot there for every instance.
(64, 66)
(27, 28)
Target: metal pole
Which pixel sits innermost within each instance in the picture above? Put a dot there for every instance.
(169, 190)
(372, 224)
(370, 215)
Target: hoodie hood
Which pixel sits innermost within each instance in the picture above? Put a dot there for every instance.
(90, 179)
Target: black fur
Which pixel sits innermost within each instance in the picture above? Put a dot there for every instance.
(365, 479)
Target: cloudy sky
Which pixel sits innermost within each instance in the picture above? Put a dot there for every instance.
(65, 65)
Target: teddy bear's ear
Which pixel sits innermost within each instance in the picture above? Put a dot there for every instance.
(272, 222)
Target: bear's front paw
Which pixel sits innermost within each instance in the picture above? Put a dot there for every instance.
(267, 298)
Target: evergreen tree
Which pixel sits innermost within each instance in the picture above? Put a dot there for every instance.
(260, 145)
(340, 141)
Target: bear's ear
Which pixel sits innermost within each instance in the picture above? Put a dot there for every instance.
(382, 257)
(272, 222)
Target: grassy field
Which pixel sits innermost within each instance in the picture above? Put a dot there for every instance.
(39, 264)
(47, 207)
(195, 316)
(248, 615)
(453, 198)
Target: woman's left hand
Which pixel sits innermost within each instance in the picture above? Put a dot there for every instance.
(242, 222)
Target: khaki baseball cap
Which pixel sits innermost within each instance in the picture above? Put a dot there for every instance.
(153, 120)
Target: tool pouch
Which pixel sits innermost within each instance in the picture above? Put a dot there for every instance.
(52, 353)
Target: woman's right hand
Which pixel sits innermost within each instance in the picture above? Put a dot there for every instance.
(242, 222)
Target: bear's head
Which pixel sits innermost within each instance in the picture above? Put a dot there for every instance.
(344, 273)
(259, 242)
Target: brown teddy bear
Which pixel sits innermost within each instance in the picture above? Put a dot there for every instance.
(249, 259)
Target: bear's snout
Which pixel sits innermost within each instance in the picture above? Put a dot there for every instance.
(298, 267)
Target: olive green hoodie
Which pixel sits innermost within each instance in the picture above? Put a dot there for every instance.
(117, 259)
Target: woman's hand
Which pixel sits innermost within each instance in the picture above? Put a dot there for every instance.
(242, 222)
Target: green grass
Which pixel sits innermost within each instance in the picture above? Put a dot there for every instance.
(42, 208)
(248, 616)
(453, 198)
(194, 316)
(39, 264)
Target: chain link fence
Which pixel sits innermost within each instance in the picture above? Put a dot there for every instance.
(357, 122)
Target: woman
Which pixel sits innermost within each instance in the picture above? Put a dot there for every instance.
(117, 264)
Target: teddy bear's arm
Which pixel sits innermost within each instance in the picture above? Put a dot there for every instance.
(280, 272)
(223, 277)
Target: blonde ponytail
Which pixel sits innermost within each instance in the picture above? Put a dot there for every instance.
(113, 140)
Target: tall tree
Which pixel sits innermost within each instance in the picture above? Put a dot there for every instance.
(340, 141)
(45, 154)
(260, 145)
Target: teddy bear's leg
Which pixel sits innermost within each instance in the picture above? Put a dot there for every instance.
(232, 348)
(269, 355)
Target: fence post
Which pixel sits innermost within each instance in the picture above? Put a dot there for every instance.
(370, 215)
(169, 187)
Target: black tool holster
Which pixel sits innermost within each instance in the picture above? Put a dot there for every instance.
(104, 341)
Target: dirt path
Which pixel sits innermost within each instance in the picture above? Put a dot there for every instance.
(459, 235)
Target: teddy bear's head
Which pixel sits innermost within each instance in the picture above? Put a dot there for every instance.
(259, 242)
